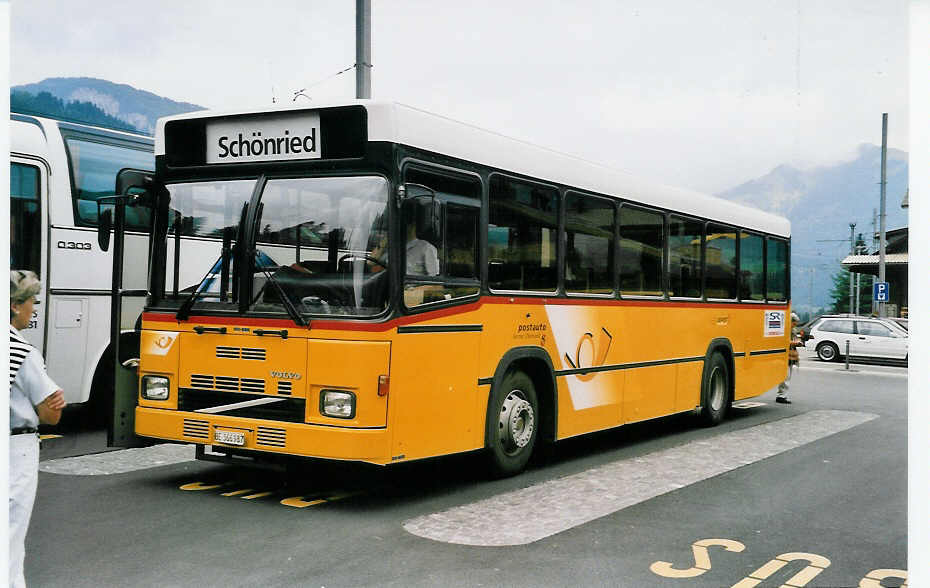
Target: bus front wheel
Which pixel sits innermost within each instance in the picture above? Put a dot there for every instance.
(715, 391)
(512, 424)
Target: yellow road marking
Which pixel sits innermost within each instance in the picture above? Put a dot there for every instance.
(257, 495)
(237, 492)
(202, 486)
(299, 502)
(44, 437)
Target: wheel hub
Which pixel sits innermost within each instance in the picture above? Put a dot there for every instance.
(517, 421)
(717, 391)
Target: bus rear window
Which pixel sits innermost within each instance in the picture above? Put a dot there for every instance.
(93, 175)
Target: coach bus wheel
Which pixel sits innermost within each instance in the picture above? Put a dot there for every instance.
(513, 422)
(828, 352)
(715, 391)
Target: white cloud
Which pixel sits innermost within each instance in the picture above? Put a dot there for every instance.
(697, 94)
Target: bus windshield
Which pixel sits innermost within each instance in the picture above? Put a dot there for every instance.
(320, 243)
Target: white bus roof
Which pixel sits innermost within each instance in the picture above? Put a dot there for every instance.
(399, 123)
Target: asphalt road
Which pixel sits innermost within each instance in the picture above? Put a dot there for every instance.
(814, 491)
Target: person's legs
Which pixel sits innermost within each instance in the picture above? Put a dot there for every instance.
(24, 477)
(783, 388)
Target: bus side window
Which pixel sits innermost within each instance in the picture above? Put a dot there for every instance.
(25, 218)
(454, 250)
(685, 241)
(642, 245)
(528, 215)
(776, 269)
(751, 267)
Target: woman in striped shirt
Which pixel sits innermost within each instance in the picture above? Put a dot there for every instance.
(34, 399)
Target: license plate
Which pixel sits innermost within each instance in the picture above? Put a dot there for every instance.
(229, 437)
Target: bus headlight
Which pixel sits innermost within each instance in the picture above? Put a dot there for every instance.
(337, 403)
(155, 387)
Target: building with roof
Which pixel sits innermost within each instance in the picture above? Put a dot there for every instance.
(895, 266)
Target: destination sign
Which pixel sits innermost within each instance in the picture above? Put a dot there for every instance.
(265, 138)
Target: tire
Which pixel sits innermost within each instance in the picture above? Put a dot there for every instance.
(715, 391)
(828, 352)
(512, 425)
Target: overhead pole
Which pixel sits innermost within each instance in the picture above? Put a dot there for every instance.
(881, 209)
(363, 49)
(852, 251)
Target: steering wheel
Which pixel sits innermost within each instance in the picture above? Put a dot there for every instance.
(362, 256)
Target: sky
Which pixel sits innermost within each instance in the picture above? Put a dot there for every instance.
(703, 95)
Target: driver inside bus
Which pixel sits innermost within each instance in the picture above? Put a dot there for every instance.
(422, 256)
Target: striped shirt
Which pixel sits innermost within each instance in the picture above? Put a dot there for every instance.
(19, 349)
(29, 382)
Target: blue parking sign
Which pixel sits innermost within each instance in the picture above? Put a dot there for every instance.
(881, 291)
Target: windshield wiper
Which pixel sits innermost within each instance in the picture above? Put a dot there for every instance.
(285, 299)
(185, 311)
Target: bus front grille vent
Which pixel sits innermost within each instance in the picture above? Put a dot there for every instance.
(227, 352)
(254, 353)
(196, 429)
(228, 383)
(285, 387)
(271, 437)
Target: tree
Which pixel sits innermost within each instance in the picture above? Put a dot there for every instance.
(839, 295)
(45, 104)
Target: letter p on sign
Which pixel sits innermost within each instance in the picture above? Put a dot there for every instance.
(881, 291)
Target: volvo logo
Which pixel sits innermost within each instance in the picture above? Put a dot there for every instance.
(285, 375)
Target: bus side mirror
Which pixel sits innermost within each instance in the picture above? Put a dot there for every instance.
(420, 201)
(133, 179)
(104, 226)
(429, 220)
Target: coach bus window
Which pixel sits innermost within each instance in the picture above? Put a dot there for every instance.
(720, 262)
(25, 218)
(589, 237)
(454, 248)
(93, 173)
(751, 267)
(641, 248)
(685, 238)
(776, 269)
(522, 236)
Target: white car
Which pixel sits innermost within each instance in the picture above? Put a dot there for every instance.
(867, 337)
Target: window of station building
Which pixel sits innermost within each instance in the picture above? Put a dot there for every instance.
(589, 237)
(442, 260)
(776, 269)
(523, 230)
(751, 267)
(720, 261)
(642, 245)
(685, 238)
(25, 218)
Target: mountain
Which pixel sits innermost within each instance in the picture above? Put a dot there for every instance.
(820, 203)
(137, 107)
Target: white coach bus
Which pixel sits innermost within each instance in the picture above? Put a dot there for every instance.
(58, 170)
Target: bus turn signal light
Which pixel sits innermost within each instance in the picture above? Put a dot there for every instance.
(384, 382)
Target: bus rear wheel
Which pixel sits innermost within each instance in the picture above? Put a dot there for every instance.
(512, 424)
(715, 391)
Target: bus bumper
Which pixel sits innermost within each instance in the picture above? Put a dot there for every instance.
(297, 439)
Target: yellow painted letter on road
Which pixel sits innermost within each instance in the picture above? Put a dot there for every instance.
(701, 559)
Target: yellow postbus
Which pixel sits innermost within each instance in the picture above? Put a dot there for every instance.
(391, 285)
